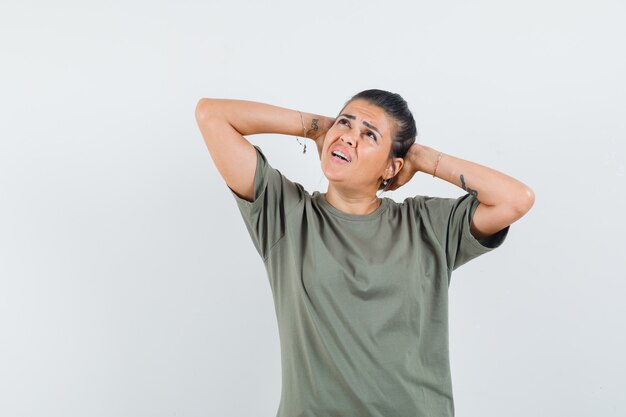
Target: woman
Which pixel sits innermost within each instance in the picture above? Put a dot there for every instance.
(360, 282)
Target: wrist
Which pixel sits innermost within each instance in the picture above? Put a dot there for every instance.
(316, 125)
(423, 158)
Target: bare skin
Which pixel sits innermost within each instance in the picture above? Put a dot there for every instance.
(364, 131)
(503, 199)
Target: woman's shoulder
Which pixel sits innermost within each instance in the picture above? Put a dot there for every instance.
(423, 206)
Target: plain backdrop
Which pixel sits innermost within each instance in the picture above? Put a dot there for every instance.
(129, 285)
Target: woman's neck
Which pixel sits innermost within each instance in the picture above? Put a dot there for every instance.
(352, 203)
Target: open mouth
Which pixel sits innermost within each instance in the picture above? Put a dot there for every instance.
(338, 155)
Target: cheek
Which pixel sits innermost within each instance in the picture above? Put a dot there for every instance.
(332, 131)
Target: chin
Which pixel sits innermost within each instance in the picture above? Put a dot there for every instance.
(330, 173)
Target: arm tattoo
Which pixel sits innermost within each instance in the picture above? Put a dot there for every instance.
(466, 188)
(314, 124)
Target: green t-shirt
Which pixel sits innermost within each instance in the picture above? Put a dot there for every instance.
(361, 300)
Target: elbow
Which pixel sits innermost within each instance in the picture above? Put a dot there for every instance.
(207, 109)
(529, 198)
(203, 109)
(526, 201)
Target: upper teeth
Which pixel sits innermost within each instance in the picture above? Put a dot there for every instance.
(343, 155)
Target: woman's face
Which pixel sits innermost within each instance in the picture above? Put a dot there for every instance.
(363, 133)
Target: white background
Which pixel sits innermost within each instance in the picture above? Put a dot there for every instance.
(129, 285)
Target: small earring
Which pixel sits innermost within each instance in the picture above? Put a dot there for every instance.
(385, 182)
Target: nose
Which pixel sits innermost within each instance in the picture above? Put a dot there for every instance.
(346, 138)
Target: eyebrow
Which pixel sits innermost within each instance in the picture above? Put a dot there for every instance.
(349, 116)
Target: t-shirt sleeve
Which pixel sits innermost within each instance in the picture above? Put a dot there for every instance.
(274, 197)
(450, 220)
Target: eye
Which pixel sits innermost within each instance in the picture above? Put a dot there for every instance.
(343, 120)
(372, 135)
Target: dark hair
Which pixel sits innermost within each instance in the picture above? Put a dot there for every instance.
(404, 131)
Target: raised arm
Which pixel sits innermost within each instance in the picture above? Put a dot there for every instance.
(224, 122)
(503, 199)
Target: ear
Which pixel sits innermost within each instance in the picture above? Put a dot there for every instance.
(394, 167)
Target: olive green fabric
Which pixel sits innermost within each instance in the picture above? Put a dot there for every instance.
(361, 300)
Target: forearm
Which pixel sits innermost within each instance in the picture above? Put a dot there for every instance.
(489, 186)
(251, 117)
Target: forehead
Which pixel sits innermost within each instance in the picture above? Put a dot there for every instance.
(370, 113)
